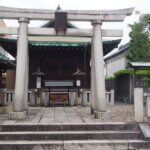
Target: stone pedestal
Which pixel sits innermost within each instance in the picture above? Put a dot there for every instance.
(105, 116)
(46, 99)
(17, 115)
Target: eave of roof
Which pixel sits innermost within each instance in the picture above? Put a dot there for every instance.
(140, 64)
(9, 43)
(6, 61)
(52, 40)
(116, 52)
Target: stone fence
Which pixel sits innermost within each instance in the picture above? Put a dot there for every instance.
(110, 98)
(43, 99)
(84, 98)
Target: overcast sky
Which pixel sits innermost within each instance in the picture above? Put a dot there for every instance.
(142, 5)
(78, 4)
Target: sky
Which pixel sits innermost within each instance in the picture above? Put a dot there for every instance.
(77, 4)
(140, 5)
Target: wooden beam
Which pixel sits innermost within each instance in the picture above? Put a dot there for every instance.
(69, 32)
(72, 15)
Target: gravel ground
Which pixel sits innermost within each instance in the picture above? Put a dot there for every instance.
(118, 113)
(122, 113)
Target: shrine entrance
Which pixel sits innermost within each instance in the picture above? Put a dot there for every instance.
(97, 17)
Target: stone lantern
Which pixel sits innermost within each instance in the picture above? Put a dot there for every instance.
(78, 74)
(38, 75)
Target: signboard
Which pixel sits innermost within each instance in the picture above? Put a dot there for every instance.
(78, 83)
(38, 82)
(59, 83)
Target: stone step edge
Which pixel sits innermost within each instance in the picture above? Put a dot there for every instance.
(61, 124)
(69, 132)
(41, 142)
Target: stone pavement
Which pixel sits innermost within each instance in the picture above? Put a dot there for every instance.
(78, 114)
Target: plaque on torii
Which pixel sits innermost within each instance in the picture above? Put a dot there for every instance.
(60, 22)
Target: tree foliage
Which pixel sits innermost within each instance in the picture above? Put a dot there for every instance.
(139, 46)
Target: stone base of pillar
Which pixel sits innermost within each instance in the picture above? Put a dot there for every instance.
(104, 116)
(17, 115)
(92, 110)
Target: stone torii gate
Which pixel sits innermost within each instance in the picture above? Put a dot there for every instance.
(96, 17)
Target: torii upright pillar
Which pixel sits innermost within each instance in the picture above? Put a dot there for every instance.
(21, 83)
(100, 101)
(92, 79)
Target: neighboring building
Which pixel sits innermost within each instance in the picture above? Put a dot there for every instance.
(123, 84)
(116, 60)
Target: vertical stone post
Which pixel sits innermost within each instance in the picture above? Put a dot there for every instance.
(148, 106)
(32, 98)
(107, 98)
(46, 99)
(21, 83)
(100, 99)
(72, 96)
(112, 101)
(138, 104)
(26, 82)
(92, 79)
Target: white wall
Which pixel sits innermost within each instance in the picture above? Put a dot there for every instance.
(114, 64)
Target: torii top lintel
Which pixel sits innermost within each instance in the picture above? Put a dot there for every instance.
(72, 15)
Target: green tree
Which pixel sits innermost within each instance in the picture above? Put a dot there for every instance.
(139, 45)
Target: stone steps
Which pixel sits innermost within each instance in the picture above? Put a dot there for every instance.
(75, 145)
(67, 135)
(69, 127)
(72, 136)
